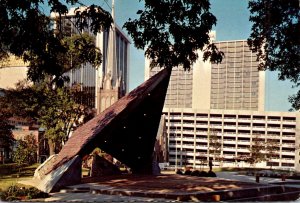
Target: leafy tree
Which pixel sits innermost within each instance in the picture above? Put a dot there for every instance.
(26, 151)
(215, 144)
(261, 150)
(54, 109)
(271, 149)
(256, 149)
(6, 136)
(27, 32)
(275, 38)
(172, 31)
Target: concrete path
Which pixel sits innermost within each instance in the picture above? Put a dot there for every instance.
(252, 179)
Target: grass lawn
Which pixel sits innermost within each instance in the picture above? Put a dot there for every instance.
(9, 174)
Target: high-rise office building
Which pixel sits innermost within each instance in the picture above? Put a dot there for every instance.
(107, 83)
(234, 84)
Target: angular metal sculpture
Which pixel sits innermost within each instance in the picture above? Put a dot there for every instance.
(127, 130)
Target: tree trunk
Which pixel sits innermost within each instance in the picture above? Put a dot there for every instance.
(51, 147)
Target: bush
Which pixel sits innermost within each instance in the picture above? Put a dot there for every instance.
(195, 173)
(14, 193)
(203, 174)
(179, 172)
(211, 174)
(187, 172)
(25, 151)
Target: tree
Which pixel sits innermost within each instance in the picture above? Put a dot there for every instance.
(256, 149)
(172, 31)
(27, 32)
(54, 109)
(215, 144)
(271, 149)
(26, 151)
(261, 150)
(275, 38)
(6, 136)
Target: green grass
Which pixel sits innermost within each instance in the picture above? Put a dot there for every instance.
(9, 175)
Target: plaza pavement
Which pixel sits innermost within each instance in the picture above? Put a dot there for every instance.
(85, 196)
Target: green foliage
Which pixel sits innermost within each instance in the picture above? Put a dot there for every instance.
(261, 150)
(80, 49)
(275, 38)
(27, 32)
(256, 151)
(25, 152)
(171, 32)
(6, 136)
(15, 193)
(55, 109)
(295, 101)
(215, 144)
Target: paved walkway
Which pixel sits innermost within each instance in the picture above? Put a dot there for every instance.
(229, 180)
(252, 179)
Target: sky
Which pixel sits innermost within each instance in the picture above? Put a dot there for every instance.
(232, 24)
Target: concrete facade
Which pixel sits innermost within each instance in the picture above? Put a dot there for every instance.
(188, 133)
(12, 71)
(234, 84)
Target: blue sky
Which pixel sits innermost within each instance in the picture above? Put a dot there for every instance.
(232, 24)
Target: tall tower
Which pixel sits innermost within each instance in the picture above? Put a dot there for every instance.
(235, 84)
(108, 82)
(110, 90)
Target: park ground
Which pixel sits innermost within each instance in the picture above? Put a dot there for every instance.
(10, 175)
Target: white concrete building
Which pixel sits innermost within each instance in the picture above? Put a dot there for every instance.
(226, 99)
(188, 131)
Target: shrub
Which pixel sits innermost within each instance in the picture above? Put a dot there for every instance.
(195, 173)
(187, 172)
(203, 174)
(14, 193)
(179, 172)
(211, 174)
